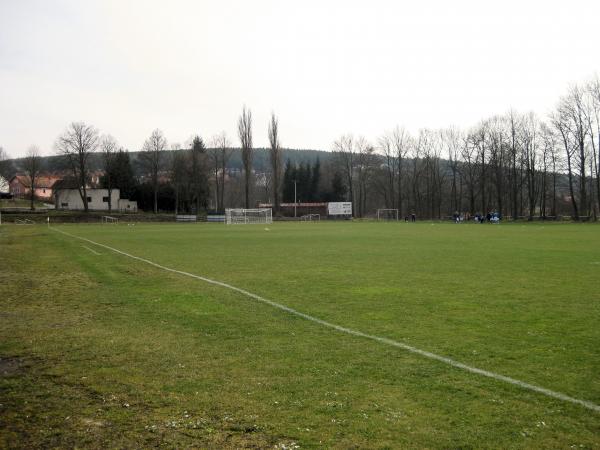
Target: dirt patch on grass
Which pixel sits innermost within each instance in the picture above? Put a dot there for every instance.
(11, 366)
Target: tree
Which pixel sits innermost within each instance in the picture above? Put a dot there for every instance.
(345, 155)
(245, 135)
(32, 165)
(198, 169)
(289, 178)
(315, 180)
(76, 144)
(275, 159)
(338, 190)
(365, 159)
(220, 153)
(151, 158)
(593, 119)
(5, 165)
(178, 176)
(560, 121)
(108, 147)
(122, 174)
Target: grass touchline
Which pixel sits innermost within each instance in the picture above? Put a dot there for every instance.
(390, 342)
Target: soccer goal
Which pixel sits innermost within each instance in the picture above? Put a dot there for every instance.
(310, 218)
(110, 219)
(24, 222)
(387, 214)
(245, 216)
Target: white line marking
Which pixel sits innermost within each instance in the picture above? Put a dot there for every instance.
(382, 340)
(91, 250)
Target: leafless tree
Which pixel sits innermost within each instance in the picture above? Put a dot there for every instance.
(179, 169)
(219, 154)
(345, 155)
(394, 146)
(109, 148)
(593, 116)
(3, 159)
(151, 158)
(560, 120)
(245, 135)
(32, 165)
(76, 144)
(365, 165)
(453, 139)
(275, 158)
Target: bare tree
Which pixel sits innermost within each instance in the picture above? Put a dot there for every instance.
(275, 157)
(560, 121)
(3, 162)
(245, 135)
(219, 153)
(365, 164)
(593, 117)
(151, 158)
(109, 148)
(453, 139)
(395, 146)
(178, 176)
(345, 154)
(32, 165)
(76, 144)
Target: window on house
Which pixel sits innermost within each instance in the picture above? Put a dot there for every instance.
(89, 199)
(105, 199)
(44, 191)
(64, 205)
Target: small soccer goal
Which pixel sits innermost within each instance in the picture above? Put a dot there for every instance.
(310, 218)
(110, 220)
(24, 222)
(387, 214)
(236, 216)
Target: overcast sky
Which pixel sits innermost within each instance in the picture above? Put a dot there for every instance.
(324, 67)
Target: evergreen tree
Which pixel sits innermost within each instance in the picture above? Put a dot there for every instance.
(289, 175)
(315, 180)
(122, 174)
(338, 189)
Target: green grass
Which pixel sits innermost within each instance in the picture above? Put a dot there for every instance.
(104, 351)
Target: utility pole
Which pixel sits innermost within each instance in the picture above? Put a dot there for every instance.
(295, 200)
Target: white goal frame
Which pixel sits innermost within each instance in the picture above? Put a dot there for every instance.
(24, 222)
(109, 219)
(245, 216)
(381, 216)
(311, 218)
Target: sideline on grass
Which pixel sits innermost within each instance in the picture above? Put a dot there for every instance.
(382, 340)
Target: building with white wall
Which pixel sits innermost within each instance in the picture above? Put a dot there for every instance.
(70, 199)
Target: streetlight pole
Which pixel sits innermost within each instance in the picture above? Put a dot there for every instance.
(295, 200)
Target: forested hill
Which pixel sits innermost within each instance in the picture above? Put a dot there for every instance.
(260, 160)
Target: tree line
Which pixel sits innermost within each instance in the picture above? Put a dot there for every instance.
(519, 165)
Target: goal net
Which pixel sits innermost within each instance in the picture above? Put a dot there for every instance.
(387, 214)
(311, 218)
(109, 219)
(245, 216)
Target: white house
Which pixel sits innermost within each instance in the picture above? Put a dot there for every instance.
(97, 199)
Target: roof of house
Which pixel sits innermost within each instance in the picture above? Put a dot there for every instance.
(42, 181)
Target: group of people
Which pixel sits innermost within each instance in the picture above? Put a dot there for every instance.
(490, 217)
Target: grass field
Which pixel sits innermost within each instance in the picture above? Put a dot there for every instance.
(100, 350)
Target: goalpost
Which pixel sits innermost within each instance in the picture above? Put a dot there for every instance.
(311, 218)
(109, 219)
(387, 214)
(248, 216)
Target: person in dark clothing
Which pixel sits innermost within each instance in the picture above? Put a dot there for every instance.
(413, 217)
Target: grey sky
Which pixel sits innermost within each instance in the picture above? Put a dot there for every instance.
(325, 67)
